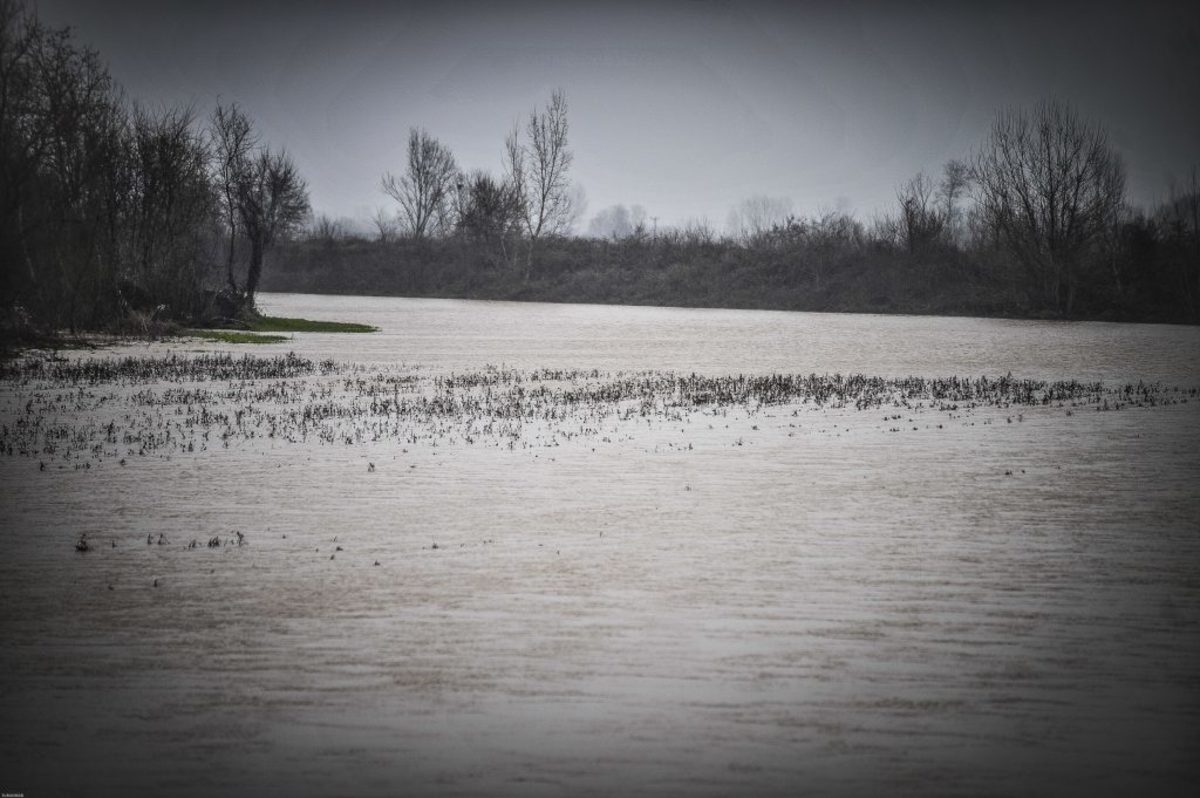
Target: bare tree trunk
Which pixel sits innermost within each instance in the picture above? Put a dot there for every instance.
(529, 258)
(255, 270)
(229, 263)
(33, 281)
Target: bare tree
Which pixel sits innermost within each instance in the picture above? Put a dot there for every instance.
(272, 202)
(424, 191)
(514, 160)
(921, 221)
(1049, 182)
(539, 169)
(489, 212)
(385, 225)
(234, 140)
(327, 230)
(171, 205)
(956, 178)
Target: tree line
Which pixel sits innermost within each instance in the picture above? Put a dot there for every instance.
(114, 215)
(1034, 223)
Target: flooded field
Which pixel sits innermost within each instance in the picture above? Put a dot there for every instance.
(502, 549)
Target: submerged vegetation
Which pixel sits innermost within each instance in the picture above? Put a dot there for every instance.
(77, 413)
(172, 368)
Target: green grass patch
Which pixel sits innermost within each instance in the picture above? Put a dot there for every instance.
(236, 337)
(284, 324)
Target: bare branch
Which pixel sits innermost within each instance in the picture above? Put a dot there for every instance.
(424, 190)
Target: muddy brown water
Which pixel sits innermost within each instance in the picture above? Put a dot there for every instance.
(734, 600)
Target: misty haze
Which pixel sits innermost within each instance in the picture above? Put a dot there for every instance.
(580, 399)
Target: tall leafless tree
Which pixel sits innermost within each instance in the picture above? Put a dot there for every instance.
(233, 142)
(272, 202)
(1049, 182)
(424, 190)
(539, 169)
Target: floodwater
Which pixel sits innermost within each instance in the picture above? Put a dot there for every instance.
(595, 577)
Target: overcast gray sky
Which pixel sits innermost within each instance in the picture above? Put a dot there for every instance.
(683, 107)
